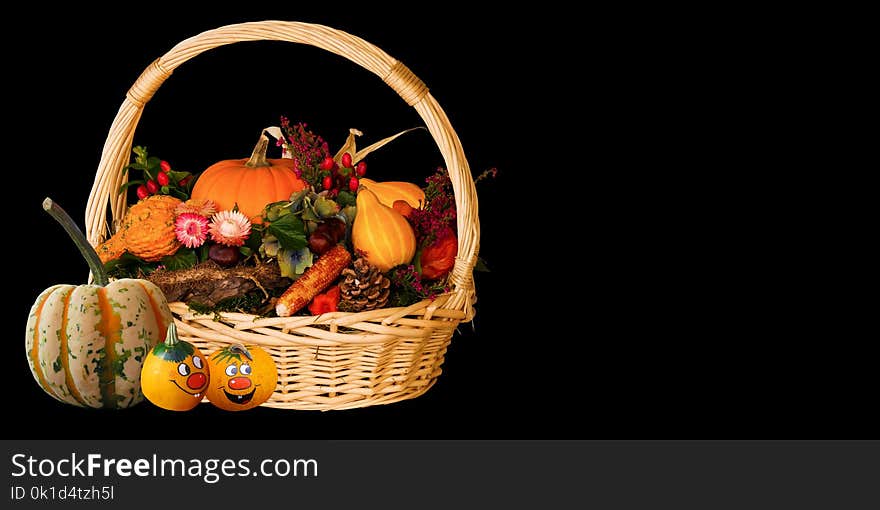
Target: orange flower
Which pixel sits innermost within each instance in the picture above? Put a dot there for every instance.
(437, 260)
(326, 302)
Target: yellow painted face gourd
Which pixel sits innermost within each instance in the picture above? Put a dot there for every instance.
(242, 377)
(175, 374)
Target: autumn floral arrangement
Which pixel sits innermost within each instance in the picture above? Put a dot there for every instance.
(308, 233)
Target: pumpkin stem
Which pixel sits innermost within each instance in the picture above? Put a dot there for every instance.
(79, 239)
(240, 348)
(171, 335)
(258, 157)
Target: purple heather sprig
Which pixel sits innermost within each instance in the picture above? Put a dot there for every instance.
(409, 281)
(307, 148)
(437, 218)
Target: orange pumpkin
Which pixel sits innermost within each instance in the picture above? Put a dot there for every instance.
(251, 183)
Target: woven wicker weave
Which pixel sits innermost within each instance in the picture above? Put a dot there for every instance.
(336, 360)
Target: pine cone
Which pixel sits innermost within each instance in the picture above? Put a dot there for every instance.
(363, 288)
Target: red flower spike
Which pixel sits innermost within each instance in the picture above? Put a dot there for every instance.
(163, 179)
(326, 302)
(353, 184)
(166, 166)
(185, 180)
(361, 169)
(152, 187)
(327, 182)
(327, 164)
(346, 160)
(142, 192)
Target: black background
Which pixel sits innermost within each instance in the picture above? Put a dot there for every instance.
(612, 309)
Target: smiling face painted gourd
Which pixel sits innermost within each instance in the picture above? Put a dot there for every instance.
(243, 378)
(175, 374)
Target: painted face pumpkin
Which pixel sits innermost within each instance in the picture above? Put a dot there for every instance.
(243, 377)
(175, 374)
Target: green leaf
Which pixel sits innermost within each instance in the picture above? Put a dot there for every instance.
(345, 199)
(128, 184)
(289, 231)
(417, 261)
(255, 240)
(276, 210)
(203, 252)
(176, 176)
(140, 153)
(128, 266)
(165, 190)
(270, 246)
(481, 266)
(308, 214)
(183, 259)
(325, 207)
(154, 162)
(245, 251)
(191, 184)
(296, 199)
(176, 193)
(349, 212)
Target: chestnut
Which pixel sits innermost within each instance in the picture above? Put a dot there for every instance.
(224, 256)
(320, 242)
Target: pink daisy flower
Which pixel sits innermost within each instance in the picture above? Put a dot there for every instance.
(191, 229)
(230, 228)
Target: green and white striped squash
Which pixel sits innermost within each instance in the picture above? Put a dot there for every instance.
(86, 344)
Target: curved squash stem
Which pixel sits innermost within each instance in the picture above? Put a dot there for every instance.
(171, 335)
(241, 349)
(258, 157)
(79, 239)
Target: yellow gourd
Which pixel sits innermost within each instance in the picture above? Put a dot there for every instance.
(381, 234)
(389, 192)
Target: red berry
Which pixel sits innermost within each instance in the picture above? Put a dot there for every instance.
(353, 184)
(361, 169)
(163, 179)
(152, 187)
(327, 164)
(185, 181)
(166, 166)
(327, 182)
(142, 192)
(346, 160)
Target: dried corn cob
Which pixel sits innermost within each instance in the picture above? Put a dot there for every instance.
(313, 281)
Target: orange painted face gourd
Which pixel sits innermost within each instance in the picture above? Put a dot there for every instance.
(242, 377)
(175, 374)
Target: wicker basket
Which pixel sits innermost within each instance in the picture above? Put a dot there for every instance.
(335, 360)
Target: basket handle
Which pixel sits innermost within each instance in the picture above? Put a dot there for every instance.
(411, 89)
